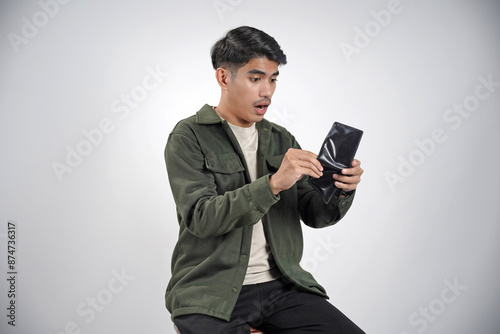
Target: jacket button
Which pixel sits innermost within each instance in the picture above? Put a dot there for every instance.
(235, 290)
(244, 256)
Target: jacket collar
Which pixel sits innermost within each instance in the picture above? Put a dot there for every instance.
(207, 115)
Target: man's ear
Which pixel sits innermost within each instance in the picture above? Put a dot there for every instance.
(222, 75)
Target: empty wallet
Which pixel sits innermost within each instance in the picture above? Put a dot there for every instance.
(337, 153)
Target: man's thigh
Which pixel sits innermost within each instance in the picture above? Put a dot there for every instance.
(202, 324)
(246, 311)
(274, 307)
(303, 312)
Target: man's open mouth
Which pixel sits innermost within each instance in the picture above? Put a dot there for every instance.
(261, 108)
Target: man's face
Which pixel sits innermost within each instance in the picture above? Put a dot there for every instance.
(249, 92)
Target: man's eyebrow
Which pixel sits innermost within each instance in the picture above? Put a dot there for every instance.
(255, 71)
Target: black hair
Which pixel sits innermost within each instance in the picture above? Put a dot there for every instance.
(242, 44)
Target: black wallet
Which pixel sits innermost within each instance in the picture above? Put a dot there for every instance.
(337, 153)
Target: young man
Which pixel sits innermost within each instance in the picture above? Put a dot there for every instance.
(240, 186)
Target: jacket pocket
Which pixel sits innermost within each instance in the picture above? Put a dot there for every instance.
(228, 171)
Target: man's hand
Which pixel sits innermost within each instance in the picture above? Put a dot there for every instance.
(294, 166)
(350, 177)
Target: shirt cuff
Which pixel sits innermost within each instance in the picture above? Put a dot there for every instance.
(262, 195)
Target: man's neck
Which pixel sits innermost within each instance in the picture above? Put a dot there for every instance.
(221, 110)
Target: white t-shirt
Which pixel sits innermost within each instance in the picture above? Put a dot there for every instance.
(261, 265)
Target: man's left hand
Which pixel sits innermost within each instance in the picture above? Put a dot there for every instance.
(350, 177)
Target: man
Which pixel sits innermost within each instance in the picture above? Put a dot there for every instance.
(240, 187)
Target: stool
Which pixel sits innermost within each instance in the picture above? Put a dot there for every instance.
(252, 330)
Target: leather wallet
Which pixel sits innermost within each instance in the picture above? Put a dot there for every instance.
(337, 152)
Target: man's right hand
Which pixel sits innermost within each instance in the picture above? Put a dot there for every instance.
(294, 166)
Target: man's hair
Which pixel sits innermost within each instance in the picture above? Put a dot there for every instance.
(242, 44)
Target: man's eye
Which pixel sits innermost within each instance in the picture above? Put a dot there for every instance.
(254, 79)
(274, 80)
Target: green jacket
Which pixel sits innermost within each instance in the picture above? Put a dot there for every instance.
(217, 206)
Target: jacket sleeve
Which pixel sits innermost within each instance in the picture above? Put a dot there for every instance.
(204, 211)
(313, 210)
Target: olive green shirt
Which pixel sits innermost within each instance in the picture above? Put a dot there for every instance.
(217, 205)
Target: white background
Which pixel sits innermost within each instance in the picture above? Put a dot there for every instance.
(426, 214)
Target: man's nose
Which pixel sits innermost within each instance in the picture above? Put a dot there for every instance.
(267, 90)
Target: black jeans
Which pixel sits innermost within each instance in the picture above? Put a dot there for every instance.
(274, 307)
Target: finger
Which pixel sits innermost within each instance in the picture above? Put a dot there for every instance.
(309, 160)
(311, 173)
(355, 163)
(347, 183)
(311, 170)
(312, 158)
(312, 166)
(352, 171)
(345, 186)
(347, 179)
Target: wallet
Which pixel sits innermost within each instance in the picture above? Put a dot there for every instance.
(337, 152)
